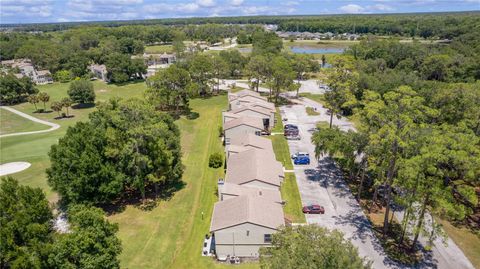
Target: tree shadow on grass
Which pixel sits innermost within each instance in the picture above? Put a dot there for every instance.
(64, 117)
(152, 199)
(133, 81)
(42, 111)
(82, 106)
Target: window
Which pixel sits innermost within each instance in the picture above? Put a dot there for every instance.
(248, 232)
(257, 133)
(267, 238)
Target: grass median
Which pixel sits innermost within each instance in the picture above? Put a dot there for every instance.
(290, 194)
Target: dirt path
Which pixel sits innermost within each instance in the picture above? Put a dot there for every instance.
(53, 126)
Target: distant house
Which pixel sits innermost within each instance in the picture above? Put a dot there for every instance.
(99, 71)
(27, 69)
(228, 191)
(244, 224)
(255, 168)
(244, 142)
(155, 62)
(43, 77)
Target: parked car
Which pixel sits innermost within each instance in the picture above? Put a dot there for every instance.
(302, 160)
(313, 209)
(264, 133)
(312, 130)
(293, 137)
(290, 132)
(300, 154)
(290, 126)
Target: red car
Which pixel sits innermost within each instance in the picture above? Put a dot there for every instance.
(313, 209)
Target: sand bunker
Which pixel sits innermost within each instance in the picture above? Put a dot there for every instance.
(13, 167)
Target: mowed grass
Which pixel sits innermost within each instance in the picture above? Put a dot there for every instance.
(278, 128)
(157, 49)
(13, 123)
(34, 148)
(289, 189)
(290, 194)
(171, 235)
(319, 98)
(311, 112)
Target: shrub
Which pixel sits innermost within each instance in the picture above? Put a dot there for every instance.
(81, 91)
(216, 160)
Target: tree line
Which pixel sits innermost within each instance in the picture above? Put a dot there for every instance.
(426, 25)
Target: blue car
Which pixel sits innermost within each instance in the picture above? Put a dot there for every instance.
(301, 160)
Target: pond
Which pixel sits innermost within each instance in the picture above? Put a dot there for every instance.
(316, 50)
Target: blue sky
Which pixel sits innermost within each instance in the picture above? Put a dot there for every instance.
(28, 11)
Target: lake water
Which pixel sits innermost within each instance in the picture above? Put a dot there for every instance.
(315, 50)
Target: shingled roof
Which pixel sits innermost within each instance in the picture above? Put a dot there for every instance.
(250, 121)
(246, 209)
(258, 109)
(254, 164)
(238, 190)
(252, 140)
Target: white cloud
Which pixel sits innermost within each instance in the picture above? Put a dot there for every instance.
(29, 8)
(256, 10)
(291, 3)
(82, 10)
(352, 8)
(381, 7)
(206, 3)
(236, 2)
(171, 8)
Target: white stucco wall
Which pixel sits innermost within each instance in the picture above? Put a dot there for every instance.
(243, 240)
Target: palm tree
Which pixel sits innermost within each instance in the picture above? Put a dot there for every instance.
(67, 102)
(56, 106)
(33, 99)
(44, 97)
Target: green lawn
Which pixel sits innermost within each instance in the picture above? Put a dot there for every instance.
(13, 123)
(159, 49)
(311, 112)
(290, 194)
(282, 152)
(34, 148)
(319, 98)
(289, 189)
(278, 128)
